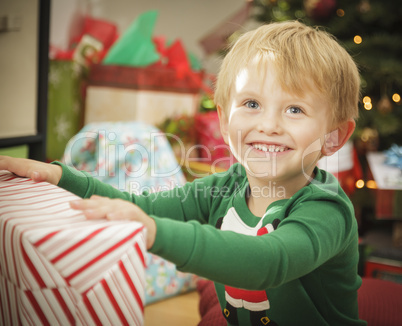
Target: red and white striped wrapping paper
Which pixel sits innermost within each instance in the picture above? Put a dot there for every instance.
(58, 268)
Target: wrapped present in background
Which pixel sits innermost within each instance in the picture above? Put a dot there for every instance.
(385, 168)
(151, 95)
(68, 70)
(212, 148)
(130, 156)
(180, 132)
(90, 45)
(134, 157)
(136, 82)
(135, 46)
(388, 204)
(65, 102)
(94, 42)
(58, 268)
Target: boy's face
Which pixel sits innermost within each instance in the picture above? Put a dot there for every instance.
(275, 135)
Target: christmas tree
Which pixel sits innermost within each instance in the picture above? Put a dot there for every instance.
(371, 31)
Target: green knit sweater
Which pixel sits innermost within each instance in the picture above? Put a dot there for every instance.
(305, 266)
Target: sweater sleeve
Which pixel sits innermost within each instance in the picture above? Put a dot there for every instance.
(83, 185)
(303, 242)
(190, 202)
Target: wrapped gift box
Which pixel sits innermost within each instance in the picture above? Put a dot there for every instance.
(388, 204)
(58, 268)
(150, 94)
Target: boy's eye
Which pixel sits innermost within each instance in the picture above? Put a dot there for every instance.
(294, 110)
(252, 104)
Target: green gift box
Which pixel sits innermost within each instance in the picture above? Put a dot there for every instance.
(65, 99)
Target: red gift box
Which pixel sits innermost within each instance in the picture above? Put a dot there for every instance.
(161, 78)
(58, 268)
(388, 204)
(383, 268)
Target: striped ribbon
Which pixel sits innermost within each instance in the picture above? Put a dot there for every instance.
(58, 268)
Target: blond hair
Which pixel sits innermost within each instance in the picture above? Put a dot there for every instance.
(305, 57)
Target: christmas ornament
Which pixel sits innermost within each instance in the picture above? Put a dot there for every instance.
(364, 6)
(320, 9)
(384, 105)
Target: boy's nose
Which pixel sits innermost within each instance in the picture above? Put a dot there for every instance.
(269, 124)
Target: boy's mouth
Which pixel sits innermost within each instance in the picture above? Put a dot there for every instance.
(269, 148)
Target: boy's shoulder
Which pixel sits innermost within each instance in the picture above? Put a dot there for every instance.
(325, 188)
(235, 172)
(325, 183)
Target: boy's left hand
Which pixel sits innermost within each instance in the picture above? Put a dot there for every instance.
(98, 207)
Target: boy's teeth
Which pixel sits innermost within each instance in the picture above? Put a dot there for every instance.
(269, 148)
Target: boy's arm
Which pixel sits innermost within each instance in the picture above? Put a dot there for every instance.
(301, 244)
(83, 185)
(192, 201)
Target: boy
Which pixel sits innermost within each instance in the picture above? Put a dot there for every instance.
(276, 234)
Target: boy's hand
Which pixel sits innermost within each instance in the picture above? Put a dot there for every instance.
(98, 207)
(37, 171)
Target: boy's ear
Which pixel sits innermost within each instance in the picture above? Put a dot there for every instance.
(223, 123)
(338, 137)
